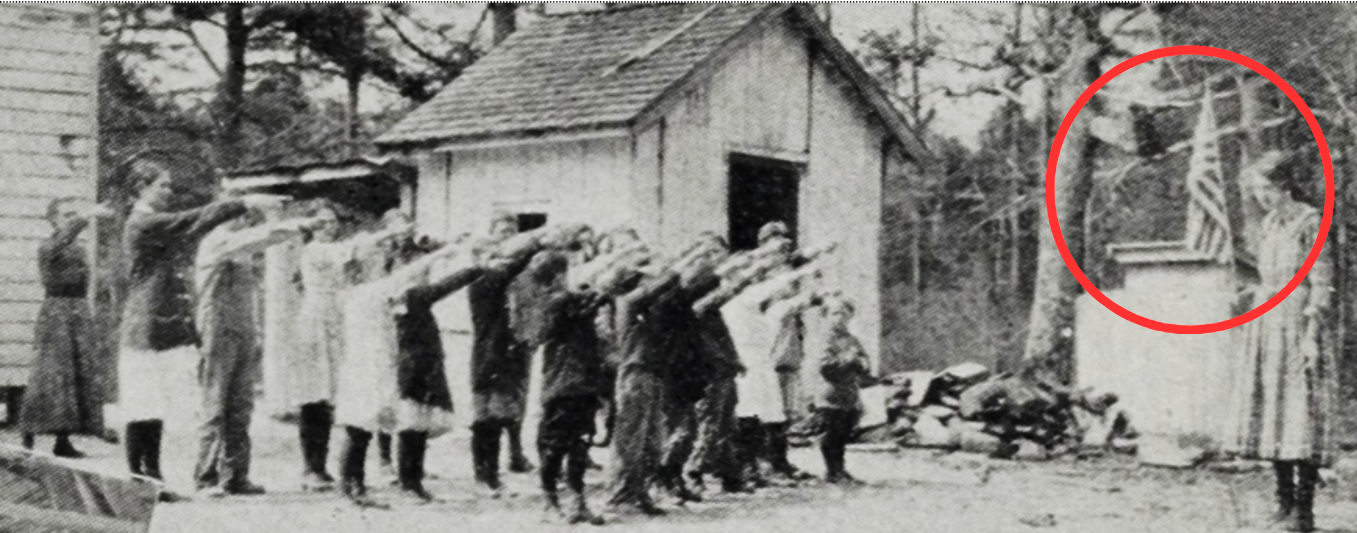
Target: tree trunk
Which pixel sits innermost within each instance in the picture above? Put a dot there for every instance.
(1050, 346)
(233, 87)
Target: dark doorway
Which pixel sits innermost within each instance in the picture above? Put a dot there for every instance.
(531, 221)
(760, 191)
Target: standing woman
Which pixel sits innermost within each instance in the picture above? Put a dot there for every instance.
(1287, 382)
(61, 396)
(311, 374)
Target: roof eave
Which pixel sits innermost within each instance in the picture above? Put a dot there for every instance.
(547, 134)
(356, 168)
(905, 133)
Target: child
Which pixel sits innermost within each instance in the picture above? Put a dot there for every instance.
(573, 383)
(845, 369)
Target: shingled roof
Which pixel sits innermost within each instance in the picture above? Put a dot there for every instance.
(601, 69)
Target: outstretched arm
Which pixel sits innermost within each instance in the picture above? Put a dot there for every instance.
(222, 245)
(191, 224)
(368, 240)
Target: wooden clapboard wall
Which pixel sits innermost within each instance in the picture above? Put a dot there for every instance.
(48, 125)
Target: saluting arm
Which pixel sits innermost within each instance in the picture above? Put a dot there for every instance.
(230, 244)
(193, 223)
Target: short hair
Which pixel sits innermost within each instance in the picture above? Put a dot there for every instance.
(840, 302)
(143, 172)
(548, 267)
(54, 207)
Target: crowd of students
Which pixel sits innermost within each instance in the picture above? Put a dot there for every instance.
(692, 359)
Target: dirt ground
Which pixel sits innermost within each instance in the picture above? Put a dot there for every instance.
(908, 491)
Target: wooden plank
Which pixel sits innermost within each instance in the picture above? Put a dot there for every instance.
(44, 165)
(72, 18)
(47, 101)
(15, 354)
(34, 143)
(75, 8)
(25, 227)
(46, 81)
(20, 292)
(19, 311)
(18, 332)
(16, 38)
(17, 121)
(64, 7)
(22, 206)
(46, 61)
(49, 187)
(26, 249)
(18, 270)
(15, 376)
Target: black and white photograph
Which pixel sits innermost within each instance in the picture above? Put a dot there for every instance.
(674, 267)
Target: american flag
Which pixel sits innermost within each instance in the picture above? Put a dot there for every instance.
(1208, 225)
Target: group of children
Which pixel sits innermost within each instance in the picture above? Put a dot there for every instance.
(694, 358)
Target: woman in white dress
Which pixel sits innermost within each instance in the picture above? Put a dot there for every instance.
(311, 374)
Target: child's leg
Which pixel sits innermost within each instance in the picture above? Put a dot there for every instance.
(550, 451)
(351, 460)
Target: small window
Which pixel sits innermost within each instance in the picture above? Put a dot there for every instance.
(531, 221)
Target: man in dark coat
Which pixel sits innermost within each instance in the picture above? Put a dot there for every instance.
(157, 327)
(500, 364)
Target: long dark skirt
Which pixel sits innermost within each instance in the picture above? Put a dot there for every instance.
(62, 391)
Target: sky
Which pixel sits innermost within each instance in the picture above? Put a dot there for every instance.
(954, 24)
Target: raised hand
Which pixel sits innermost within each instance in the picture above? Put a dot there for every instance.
(97, 211)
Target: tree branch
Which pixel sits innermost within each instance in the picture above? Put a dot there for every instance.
(983, 89)
(428, 56)
(198, 44)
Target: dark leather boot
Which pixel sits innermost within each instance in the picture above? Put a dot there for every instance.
(155, 432)
(64, 448)
(410, 470)
(485, 457)
(134, 444)
(313, 432)
(352, 459)
(1285, 472)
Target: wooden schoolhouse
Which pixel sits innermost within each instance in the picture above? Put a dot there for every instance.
(677, 119)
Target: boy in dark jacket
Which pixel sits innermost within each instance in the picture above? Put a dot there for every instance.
(573, 384)
(846, 369)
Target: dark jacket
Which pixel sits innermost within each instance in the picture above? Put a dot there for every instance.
(420, 371)
(498, 360)
(572, 361)
(690, 364)
(846, 369)
(645, 318)
(158, 312)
